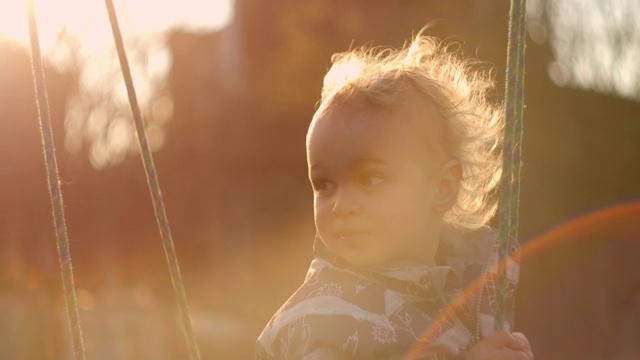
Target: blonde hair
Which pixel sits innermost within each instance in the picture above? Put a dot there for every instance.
(472, 127)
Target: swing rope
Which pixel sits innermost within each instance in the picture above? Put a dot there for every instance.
(509, 202)
(55, 194)
(154, 188)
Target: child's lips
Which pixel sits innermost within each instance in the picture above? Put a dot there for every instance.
(350, 235)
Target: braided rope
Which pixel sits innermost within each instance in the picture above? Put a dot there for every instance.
(154, 189)
(64, 256)
(510, 182)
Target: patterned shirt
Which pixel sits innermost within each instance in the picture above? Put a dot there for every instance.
(409, 312)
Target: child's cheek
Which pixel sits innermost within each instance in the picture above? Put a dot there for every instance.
(322, 213)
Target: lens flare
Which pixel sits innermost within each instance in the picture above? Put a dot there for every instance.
(602, 220)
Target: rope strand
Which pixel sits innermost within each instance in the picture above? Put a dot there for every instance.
(64, 256)
(510, 182)
(154, 189)
(518, 130)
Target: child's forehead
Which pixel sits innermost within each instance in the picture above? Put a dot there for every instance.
(358, 119)
(409, 110)
(405, 129)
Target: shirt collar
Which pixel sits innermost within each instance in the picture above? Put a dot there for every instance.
(415, 283)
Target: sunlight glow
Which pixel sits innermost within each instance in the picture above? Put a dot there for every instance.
(75, 36)
(92, 26)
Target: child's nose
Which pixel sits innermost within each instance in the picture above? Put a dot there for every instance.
(345, 204)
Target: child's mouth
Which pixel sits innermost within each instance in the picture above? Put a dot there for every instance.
(349, 235)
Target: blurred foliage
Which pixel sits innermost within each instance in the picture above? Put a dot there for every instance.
(230, 119)
(595, 43)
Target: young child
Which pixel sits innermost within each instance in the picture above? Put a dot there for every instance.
(403, 156)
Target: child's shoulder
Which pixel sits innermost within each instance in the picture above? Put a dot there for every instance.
(328, 288)
(474, 254)
(357, 313)
(327, 309)
(474, 258)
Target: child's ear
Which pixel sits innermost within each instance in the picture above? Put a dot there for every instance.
(448, 185)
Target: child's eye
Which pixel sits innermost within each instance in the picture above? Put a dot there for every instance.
(321, 185)
(371, 179)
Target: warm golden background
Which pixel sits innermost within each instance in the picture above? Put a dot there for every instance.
(228, 88)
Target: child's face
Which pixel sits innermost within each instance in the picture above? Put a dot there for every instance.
(375, 185)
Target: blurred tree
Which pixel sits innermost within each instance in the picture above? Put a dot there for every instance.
(595, 44)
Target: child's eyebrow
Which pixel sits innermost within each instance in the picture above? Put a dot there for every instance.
(353, 164)
(368, 161)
